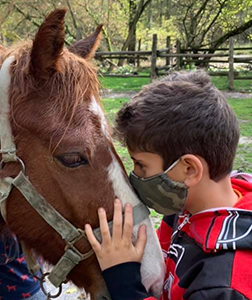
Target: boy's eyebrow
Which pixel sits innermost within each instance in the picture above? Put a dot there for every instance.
(137, 159)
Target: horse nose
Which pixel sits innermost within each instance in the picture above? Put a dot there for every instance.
(104, 296)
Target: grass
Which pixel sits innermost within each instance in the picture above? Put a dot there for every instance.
(242, 108)
(111, 106)
(243, 160)
(221, 82)
(123, 84)
(243, 111)
(135, 84)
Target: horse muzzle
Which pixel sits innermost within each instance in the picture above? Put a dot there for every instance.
(103, 296)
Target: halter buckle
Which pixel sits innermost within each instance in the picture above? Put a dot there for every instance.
(70, 245)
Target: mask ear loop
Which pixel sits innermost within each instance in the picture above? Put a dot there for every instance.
(172, 165)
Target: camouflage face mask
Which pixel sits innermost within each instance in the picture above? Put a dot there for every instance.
(159, 192)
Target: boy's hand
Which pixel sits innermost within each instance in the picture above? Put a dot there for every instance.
(118, 248)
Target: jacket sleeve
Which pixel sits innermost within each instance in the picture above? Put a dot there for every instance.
(216, 293)
(124, 282)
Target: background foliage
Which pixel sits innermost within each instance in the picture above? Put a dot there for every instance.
(195, 22)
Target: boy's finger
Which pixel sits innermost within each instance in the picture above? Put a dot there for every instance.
(128, 223)
(92, 239)
(104, 228)
(141, 240)
(117, 220)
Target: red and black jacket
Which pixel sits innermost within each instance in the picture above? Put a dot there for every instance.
(208, 256)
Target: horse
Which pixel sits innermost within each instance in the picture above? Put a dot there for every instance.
(64, 149)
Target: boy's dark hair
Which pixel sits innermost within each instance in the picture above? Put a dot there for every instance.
(181, 114)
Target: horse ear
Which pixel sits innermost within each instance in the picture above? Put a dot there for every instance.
(48, 45)
(86, 47)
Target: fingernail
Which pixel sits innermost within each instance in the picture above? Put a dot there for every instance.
(128, 205)
(101, 210)
(117, 201)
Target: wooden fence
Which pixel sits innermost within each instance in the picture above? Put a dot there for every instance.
(182, 57)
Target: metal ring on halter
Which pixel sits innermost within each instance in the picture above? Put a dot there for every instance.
(48, 295)
(2, 163)
(22, 164)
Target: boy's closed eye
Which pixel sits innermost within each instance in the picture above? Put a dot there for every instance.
(138, 164)
(146, 164)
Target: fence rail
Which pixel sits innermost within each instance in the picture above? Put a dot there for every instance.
(181, 56)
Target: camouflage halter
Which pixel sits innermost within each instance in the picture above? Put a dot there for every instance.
(159, 192)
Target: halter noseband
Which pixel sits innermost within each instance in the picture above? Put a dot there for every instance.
(69, 233)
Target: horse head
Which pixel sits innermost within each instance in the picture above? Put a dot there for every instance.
(64, 142)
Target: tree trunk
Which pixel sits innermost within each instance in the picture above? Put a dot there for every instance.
(132, 28)
(168, 9)
(132, 42)
(149, 16)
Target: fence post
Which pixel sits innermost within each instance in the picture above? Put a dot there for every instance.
(178, 51)
(138, 57)
(231, 64)
(168, 46)
(153, 73)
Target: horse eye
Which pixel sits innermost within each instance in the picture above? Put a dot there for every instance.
(72, 160)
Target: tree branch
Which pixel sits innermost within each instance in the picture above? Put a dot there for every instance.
(78, 32)
(214, 45)
(214, 20)
(70, 33)
(184, 23)
(24, 19)
(104, 31)
(233, 32)
(202, 8)
(194, 22)
(27, 16)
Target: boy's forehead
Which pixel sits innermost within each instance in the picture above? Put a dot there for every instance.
(145, 156)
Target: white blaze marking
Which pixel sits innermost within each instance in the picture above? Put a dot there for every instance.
(153, 267)
(7, 144)
(96, 109)
(121, 188)
(4, 84)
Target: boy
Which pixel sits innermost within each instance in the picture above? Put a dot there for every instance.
(182, 136)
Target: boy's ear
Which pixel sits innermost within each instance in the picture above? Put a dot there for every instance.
(193, 169)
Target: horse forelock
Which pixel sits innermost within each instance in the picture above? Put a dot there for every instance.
(63, 99)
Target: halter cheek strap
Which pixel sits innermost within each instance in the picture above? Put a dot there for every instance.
(69, 233)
